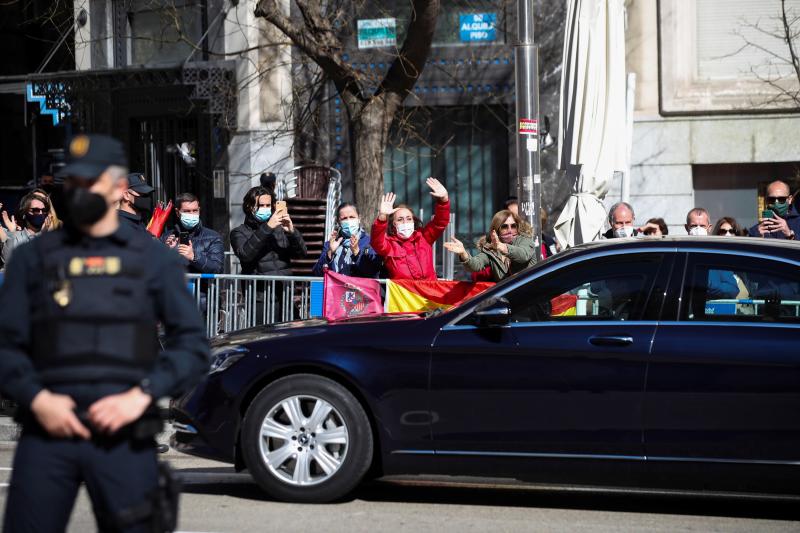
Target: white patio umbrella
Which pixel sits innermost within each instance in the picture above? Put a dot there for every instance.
(591, 143)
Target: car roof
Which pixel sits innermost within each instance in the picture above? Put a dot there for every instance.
(773, 247)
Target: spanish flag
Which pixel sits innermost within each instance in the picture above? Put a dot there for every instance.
(413, 296)
(564, 305)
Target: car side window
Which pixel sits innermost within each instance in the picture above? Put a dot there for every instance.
(610, 288)
(741, 289)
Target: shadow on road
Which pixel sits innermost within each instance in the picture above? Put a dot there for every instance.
(224, 481)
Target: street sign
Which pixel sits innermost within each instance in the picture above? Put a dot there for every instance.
(476, 27)
(374, 33)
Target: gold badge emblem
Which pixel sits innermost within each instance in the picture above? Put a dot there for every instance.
(79, 146)
(76, 266)
(63, 296)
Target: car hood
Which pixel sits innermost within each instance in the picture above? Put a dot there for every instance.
(286, 329)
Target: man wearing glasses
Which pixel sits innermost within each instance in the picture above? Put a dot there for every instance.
(779, 220)
(32, 216)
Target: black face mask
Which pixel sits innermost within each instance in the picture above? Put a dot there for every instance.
(143, 203)
(84, 208)
(35, 221)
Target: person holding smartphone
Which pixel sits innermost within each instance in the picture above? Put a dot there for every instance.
(347, 250)
(201, 247)
(779, 220)
(267, 241)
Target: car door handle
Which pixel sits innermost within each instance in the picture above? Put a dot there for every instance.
(611, 340)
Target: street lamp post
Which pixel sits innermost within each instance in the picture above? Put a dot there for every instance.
(529, 178)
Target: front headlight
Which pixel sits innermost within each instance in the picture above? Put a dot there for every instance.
(225, 356)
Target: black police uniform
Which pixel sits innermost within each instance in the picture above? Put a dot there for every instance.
(78, 317)
(135, 222)
(137, 183)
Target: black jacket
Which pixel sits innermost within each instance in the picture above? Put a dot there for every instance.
(263, 250)
(132, 221)
(178, 367)
(209, 252)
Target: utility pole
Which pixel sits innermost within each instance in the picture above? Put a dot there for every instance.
(529, 177)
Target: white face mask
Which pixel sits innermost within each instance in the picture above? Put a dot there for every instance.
(405, 229)
(698, 231)
(624, 231)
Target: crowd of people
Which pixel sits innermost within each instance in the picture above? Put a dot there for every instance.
(780, 220)
(397, 245)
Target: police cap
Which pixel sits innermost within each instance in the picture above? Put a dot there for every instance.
(88, 156)
(138, 183)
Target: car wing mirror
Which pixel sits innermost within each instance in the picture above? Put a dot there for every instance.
(494, 312)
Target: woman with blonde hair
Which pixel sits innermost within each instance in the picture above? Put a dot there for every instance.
(506, 249)
(52, 221)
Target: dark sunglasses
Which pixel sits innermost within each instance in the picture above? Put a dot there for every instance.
(776, 199)
(38, 210)
(726, 232)
(508, 226)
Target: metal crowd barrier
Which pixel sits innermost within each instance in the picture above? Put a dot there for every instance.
(230, 302)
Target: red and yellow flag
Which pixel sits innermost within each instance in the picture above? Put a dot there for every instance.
(413, 296)
(564, 305)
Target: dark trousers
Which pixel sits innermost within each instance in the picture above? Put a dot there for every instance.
(48, 472)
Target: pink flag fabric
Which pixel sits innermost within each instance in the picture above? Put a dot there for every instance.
(347, 296)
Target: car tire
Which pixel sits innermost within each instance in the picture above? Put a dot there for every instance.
(315, 464)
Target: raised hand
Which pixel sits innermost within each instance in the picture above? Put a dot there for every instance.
(437, 189)
(275, 220)
(387, 208)
(455, 246)
(496, 244)
(354, 244)
(334, 241)
(286, 222)
(10, 223)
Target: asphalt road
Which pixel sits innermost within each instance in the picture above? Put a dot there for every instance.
(216, 499)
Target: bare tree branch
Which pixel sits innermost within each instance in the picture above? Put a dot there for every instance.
(408, 65)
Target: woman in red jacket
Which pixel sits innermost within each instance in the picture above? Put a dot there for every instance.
(400, 238)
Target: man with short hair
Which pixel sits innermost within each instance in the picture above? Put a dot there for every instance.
(785, 221)
(202, 251)
(79, 314)
(698, 222)
(621, 218)
(136, 204)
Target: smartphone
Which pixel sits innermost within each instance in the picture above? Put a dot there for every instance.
(767, 213)
(280, 204)
(183, 237)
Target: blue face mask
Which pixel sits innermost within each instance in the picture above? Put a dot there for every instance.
(189, 220)
(263, 214)
(350, 227)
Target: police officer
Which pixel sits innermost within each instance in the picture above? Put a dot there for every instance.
(136, 204)
(78, 314)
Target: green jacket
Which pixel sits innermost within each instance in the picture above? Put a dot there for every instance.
(520, 253)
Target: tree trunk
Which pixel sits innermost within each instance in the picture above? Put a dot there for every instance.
(370, 136)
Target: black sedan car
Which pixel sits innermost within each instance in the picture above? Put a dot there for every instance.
(669, 363)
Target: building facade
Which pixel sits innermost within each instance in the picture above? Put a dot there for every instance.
(710, 127)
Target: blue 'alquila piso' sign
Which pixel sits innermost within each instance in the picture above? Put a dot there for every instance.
(477, 27)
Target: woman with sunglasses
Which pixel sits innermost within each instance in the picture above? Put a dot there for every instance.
(728, 227)
(32, 218)
(506, 249)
